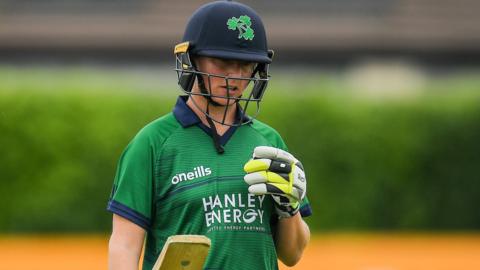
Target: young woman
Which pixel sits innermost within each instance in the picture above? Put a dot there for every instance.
(192, 172)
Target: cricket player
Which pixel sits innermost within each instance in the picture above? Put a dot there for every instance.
(208, 167)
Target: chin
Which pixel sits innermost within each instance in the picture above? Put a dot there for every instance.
(224, 101)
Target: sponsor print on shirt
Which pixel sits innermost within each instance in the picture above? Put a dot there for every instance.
(234, 212)
(197, 172)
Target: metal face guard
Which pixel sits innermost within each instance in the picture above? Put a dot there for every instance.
(256, 86)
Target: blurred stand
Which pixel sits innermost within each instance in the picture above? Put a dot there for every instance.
(311, 32)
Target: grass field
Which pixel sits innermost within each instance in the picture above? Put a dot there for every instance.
(330, 252)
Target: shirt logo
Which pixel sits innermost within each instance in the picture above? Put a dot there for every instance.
(197, 172)
(234, 212)
(242, 24)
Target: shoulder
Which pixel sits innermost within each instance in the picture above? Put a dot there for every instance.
(263, 128)
(156, 132)
(268, 133)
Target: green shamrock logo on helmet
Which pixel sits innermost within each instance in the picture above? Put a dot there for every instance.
(242, 24)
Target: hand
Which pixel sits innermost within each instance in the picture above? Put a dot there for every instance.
(278, 173)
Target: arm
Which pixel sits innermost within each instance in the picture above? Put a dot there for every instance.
(125, 244)
(291, 238)
(278, 173)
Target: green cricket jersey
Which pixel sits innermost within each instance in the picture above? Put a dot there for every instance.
(170, 180)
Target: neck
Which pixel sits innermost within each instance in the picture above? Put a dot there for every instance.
(199, 105)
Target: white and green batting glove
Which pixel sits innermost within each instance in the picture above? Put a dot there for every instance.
(278, 173)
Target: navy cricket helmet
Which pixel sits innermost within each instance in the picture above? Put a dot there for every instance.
(231, 31)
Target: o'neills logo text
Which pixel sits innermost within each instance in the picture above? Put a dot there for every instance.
(197, 172)
(235, 211)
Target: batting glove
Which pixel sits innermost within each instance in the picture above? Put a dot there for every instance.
(278, 173)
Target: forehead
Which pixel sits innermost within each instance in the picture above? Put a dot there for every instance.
(221, 61)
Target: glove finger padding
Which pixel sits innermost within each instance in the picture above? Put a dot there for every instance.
(277, 189)
(269, 152)
(264, 164)
(265, 177)
(278, 175)
(272, 153)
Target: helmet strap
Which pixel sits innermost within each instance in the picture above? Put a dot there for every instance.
(216, 138)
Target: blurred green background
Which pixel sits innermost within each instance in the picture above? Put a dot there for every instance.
(378, 161)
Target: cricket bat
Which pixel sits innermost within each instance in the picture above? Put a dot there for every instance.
(183, 252)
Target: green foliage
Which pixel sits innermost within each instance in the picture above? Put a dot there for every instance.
(59, 153)
(409, 165)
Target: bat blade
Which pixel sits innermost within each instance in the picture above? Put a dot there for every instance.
(183, 252)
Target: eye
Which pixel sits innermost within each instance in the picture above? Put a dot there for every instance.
(247, 66)
(222, 66)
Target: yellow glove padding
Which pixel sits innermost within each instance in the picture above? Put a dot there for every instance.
(278, 173)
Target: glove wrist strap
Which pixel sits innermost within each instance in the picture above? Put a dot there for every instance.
(286, 212)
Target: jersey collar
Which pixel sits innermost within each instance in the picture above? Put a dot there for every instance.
(186, 117)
